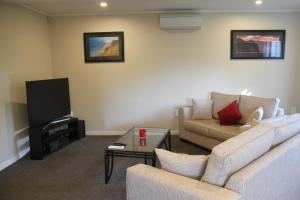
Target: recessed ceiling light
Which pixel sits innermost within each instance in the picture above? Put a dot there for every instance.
(258, 2)
(103, 4)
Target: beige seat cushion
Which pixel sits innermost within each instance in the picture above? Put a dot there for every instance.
(235, 153)
(248, 104)
(197, 126)
(223, 133)
(212, 128)
(285, 128)
(220, 101)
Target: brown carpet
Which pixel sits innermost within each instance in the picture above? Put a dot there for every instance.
(73, 172)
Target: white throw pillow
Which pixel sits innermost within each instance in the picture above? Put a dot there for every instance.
(192, 166)
(257, 114)
(202, 109)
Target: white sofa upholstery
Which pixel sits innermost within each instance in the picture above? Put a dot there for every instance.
(147, 183)
(254, 170)
(236, 153)
(275, 176)
(209, 133)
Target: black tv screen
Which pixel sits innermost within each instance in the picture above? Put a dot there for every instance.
(47, 100)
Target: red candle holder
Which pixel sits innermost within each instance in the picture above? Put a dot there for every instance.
(142, 132)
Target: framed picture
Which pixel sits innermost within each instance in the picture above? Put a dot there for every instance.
(104, 47)
(257, 44)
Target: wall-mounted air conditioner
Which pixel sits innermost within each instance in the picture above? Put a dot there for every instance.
(180, 21)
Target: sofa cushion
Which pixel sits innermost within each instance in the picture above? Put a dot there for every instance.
(220, 101)
(223, 133)
(202, 109)
(230, 114)
(285, 128)
(192, 166)
(212, 128)
(248, 104)
(198, 126)
(235, 153)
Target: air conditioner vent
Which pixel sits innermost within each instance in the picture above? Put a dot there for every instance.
(180, 21)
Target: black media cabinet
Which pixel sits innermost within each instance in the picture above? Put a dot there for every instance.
(47, 140)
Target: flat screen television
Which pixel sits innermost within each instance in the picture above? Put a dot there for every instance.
(47, 100)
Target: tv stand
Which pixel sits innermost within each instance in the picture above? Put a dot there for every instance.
(56, 121)
(45, 139)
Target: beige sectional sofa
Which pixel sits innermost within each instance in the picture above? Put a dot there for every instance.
(209, 133)
(262, 163)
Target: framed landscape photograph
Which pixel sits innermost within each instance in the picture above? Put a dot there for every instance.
(104, 47)
(257, 44)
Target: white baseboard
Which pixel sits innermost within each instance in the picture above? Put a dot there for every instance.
(14, 159)
(111, 133)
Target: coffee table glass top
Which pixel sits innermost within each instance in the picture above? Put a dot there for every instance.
(154, 137)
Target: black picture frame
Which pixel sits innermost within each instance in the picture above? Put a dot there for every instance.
(104, 47)
(257, 44)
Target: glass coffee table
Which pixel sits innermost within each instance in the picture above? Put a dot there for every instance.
(137, 147)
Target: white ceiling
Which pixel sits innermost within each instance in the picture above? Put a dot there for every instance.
(86, 7)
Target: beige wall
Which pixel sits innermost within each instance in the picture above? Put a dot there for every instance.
(24, 55)
(296, 95)
(162, 70)
(166, 69)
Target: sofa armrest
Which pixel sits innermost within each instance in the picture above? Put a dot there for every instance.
(280, 112)
(148, 183)
(184, 113)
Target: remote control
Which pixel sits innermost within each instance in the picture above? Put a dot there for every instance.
(119, 144)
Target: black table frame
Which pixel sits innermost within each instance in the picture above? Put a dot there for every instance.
(109, 155)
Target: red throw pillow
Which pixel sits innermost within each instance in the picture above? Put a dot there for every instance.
(230, 114)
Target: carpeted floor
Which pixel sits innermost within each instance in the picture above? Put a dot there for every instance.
(74, 172)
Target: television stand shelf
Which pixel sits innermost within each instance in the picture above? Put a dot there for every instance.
(47, 140)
